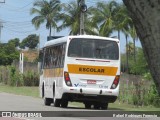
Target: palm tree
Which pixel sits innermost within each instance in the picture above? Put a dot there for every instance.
(127, 53)
(122, 20)
(104, 15)
(133, 34)
(123, 23)
(130, 48)
(70, 18)
(46, 11)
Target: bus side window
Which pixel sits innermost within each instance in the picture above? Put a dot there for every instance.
(53, 57)
(40, 60)
(46, 58)
(63, 54)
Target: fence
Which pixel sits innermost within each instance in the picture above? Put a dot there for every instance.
(4, 74)
(136, 90)
(11, 76)
(27, 66)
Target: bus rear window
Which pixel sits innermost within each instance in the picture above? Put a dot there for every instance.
(93, 48)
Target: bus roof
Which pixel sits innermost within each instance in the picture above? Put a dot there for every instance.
(64, 39)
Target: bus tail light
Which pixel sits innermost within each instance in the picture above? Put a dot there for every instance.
(115, 82)
(67, 79)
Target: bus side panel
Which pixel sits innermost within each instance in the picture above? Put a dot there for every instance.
(41, 86)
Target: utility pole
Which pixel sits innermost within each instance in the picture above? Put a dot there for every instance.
(1, 26)
(83, 9)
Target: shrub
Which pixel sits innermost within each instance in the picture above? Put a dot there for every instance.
(31, 78)
(15, 78)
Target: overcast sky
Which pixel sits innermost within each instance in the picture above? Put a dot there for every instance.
(16, 21)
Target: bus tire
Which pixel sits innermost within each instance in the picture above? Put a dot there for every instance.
(57, 102)
(64, 103)
(104, 106)
(43, 90)
(87, 105)
(97, 106)
(47, 101)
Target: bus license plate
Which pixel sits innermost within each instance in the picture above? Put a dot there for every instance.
(91, 81)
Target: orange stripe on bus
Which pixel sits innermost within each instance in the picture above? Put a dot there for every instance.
(55, 72)
(93, 70)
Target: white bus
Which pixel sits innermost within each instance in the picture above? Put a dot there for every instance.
(80, 68)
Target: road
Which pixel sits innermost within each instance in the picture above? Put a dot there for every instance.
(11, 102)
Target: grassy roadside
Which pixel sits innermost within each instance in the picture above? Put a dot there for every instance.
(123, 107)
(34, 92)
(26, 91)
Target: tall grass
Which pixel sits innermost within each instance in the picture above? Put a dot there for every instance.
(9, 75)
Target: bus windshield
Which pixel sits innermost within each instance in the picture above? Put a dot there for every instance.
(93, 48)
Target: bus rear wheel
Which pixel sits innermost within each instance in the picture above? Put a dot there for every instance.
(47, 101)
(104, 106)
(87, 105)
(97, 106)
(57, 102)
(64, 103)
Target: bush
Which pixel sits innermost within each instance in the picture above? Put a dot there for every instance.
(31, 78)
(9, 75)
(153, 96)
(15, 78)
(144, 96)
(138, 93)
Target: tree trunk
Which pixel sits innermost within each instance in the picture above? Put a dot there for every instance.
(50, 30)
(127, 55)
(134, 42)
(146, 17)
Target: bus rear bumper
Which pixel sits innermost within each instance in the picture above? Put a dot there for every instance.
(88, 97)
(88, 94)
(94, 91)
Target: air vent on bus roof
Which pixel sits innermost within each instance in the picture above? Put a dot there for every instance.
(53, 37)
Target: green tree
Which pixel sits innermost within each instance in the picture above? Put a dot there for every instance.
(145, 16)
(139, 67)
(8, 53)
(70, 18)
(133, 34)
(130, 49)
(31, 41)
(14, 41)
(104, 15)
(123, 23)
(47, 12)
(122, 20)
